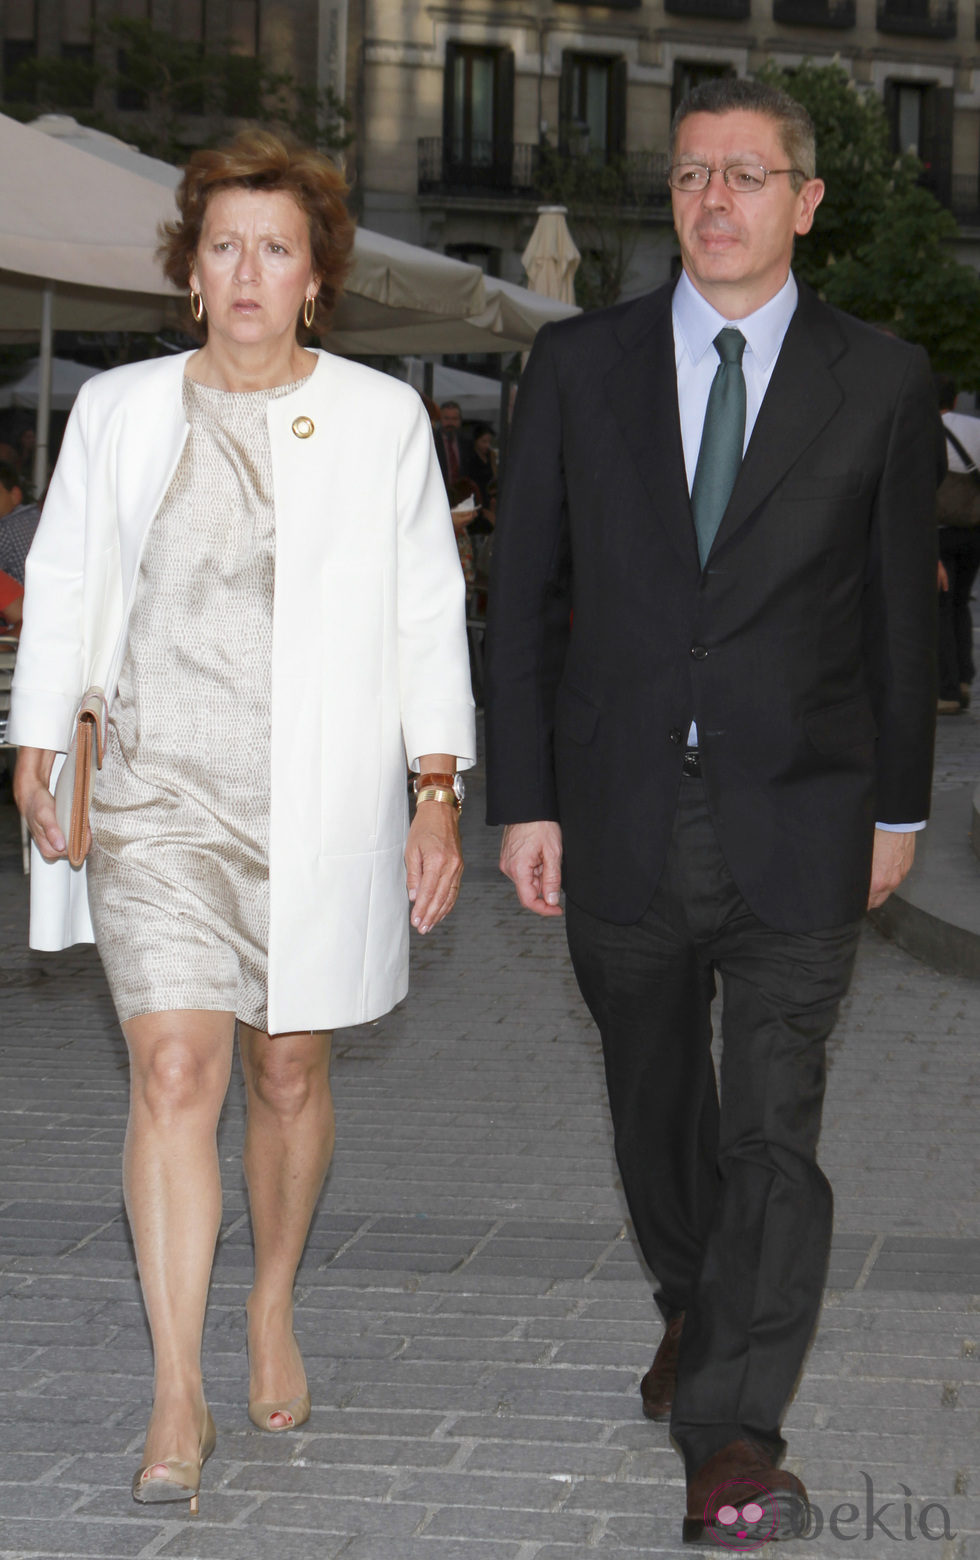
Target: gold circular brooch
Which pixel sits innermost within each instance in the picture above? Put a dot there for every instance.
(303, 427)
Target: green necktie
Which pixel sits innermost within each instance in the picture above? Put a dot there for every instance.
(720, 454)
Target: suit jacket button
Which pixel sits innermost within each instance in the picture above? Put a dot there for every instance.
(699, 652)
(676, 735)
(302, 427)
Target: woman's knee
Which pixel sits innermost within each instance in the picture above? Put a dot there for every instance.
(174, 1073)
(287, 1078)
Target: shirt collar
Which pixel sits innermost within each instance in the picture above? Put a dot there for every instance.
(697, 323)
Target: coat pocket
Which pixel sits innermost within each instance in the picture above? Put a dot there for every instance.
(849, 724)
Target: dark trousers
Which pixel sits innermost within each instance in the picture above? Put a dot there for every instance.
(730, 1208)
(959, 551)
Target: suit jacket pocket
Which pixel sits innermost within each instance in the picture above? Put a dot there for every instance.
(849, 724)
(576, 716)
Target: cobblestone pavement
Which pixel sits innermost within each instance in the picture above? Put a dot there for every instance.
(471, 1307)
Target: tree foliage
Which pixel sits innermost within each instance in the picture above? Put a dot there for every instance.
(172, 83)
(882, 246)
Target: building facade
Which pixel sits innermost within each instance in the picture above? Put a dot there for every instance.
(451, 102)
(455, 100)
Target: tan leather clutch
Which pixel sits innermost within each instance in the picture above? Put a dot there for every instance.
(73, 792)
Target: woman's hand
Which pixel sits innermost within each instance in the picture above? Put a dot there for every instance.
(434, 863)
(32, 775)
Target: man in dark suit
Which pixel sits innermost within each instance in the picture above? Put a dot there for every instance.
(710, 708)
(451, 451)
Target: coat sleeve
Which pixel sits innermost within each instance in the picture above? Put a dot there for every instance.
(433, 657)
(529, 603)
(48, 677)
(900, 601)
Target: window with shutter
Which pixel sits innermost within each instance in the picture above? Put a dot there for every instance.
(592, 106)
(478, 115)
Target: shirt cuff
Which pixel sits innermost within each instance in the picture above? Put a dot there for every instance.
(901, 828)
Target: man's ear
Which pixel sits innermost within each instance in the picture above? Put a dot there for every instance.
(17, 494)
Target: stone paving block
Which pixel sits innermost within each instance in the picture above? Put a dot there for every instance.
(38, 1501)
(556, 1462)
(522, 1526)
(288, 1514)
(558, 1432)
(202, 1542)
(101, 1539)
(658, 1538)
(435, 1548)
(445, 1399)
(610, 1497)
(394, 1454)
(462, 1488)
(302, 1480)
(384, 1422)
(491, 1352)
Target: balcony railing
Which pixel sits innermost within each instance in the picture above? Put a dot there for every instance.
(514, 173)
(815, 13)
(965, 202)
(721, 10)
(918, 18)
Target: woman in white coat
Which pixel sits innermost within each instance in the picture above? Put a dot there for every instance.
(248, 548)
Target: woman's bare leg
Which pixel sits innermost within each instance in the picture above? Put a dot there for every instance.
(180, 1064)
(288, 1146)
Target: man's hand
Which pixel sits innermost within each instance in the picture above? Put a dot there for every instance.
(942, 576)
(530, 856)
(433, 863)
(891, 862)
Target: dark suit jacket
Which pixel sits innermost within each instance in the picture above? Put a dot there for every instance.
(442, 455)
(805, 649)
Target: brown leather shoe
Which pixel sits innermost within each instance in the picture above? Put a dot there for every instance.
(738, 1498)
(660, 1382)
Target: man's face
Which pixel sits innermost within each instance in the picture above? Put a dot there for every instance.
(451, 419)
(737, 248)
(9, 499)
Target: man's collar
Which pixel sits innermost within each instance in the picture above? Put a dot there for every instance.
(697, 323)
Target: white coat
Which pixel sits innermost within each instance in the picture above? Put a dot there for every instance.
(369, 655)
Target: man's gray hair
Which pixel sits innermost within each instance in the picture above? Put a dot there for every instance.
(725, 94)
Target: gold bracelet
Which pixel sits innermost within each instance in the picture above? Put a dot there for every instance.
(437, 793)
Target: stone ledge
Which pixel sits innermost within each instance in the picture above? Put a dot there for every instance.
(935, 915)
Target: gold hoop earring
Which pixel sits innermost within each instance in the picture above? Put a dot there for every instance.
(309, 309)
(197, 306)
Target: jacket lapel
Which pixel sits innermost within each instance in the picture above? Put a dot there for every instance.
(642, 394)
(802, 397)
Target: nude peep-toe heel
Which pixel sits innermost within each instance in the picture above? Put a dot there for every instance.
(183, 1479)
(296, 1410)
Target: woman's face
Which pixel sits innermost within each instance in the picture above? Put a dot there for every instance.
(482, 444)
(253, 266)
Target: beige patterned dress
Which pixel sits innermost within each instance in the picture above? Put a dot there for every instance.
(178, 872)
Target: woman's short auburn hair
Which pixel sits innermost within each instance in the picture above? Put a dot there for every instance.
(259, 159)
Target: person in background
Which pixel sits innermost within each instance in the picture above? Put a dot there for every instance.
(449, 442)
(959, 563)
(481, 461)
(11, 603)
(18, 523)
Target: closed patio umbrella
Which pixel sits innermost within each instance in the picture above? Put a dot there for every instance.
(551, 258)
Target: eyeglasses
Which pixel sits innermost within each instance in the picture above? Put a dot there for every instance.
(743, 178)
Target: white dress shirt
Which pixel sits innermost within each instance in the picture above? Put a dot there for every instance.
(696, 324)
